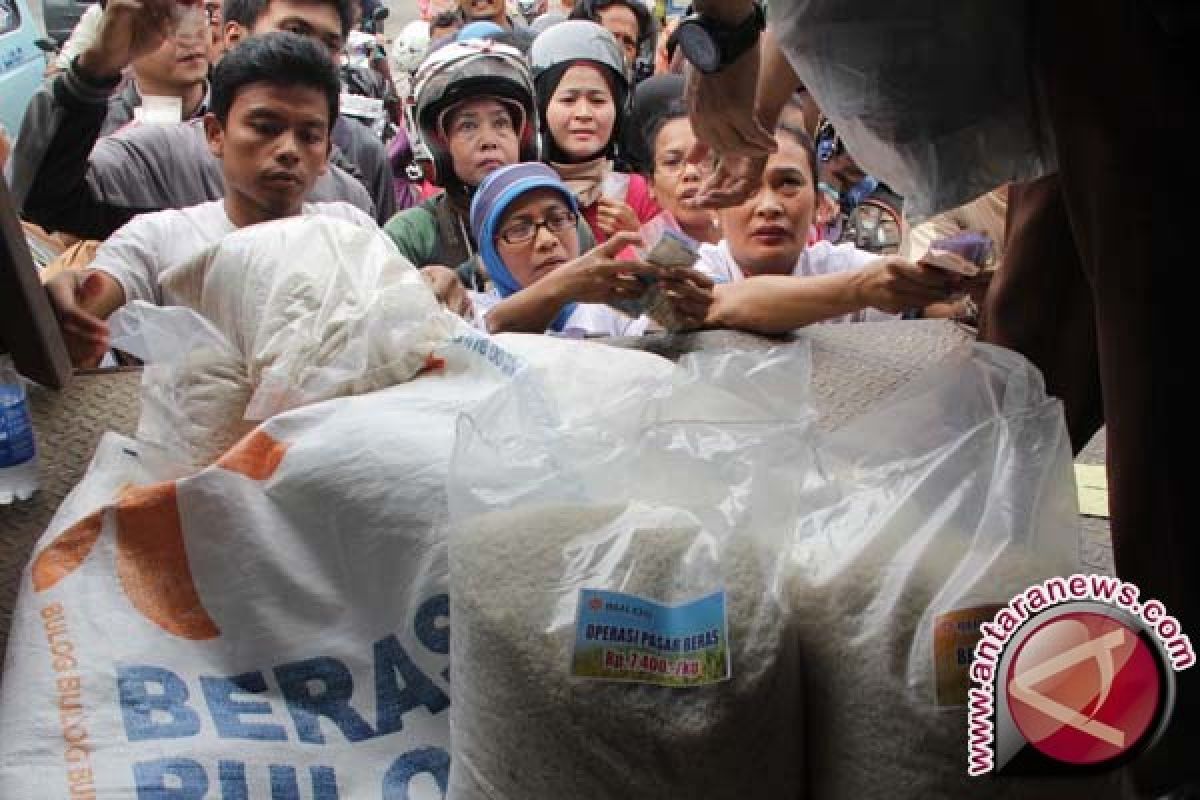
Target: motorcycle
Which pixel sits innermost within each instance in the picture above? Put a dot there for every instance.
(370, 93)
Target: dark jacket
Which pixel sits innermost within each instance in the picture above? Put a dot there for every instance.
(368, 155)
(65, 177)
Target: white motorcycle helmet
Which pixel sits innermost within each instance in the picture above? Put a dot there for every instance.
(409, 47)
(459, 71)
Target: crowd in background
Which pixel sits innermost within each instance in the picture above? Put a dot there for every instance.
(592, 91)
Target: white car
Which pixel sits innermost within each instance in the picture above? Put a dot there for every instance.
(22, 61)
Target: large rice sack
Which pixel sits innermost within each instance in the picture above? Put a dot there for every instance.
(613, 585)
(274, 625)
(273, 317)
(950, 499)
(952, 496)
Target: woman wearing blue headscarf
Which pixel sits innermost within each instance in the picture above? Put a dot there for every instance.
(524, 219)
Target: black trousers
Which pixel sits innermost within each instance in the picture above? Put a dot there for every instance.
(1091, 294)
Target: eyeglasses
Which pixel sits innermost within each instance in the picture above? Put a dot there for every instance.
(674, 166)
(524, 231)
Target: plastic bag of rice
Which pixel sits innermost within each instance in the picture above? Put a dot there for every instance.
(274, 317)
(538, 714)
(194, 386)
(317, 307)
(950, 500)
(619, 628)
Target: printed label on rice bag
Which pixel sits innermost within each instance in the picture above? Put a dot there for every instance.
(955, 635)
(622, 637)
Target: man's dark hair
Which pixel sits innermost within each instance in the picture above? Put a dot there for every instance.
(247, 12)
(447, 19)
(278, 59)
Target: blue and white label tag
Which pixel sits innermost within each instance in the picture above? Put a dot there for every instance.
(623, 637)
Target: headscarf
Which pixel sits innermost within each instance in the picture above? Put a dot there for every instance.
(585, 179)
(547, 83)
(495, 194)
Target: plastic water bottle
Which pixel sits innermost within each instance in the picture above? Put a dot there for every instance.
(18, 455)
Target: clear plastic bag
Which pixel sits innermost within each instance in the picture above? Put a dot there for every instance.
(951, 497)
(659, 497)
(936, 99)
(838, 554)
(194, 386)
(317, 307)
(277, 316)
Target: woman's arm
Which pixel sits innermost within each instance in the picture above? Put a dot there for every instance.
(773, 304)
(595, 277)
(532, 309)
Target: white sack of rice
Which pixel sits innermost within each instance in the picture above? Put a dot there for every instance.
(524, 729)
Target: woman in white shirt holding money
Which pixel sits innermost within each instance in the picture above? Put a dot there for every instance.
(769, 280)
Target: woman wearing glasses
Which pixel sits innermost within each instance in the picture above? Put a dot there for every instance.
(673, 180)
(524, 219)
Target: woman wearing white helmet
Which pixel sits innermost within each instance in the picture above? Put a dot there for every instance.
(582, 90)
(474, 112)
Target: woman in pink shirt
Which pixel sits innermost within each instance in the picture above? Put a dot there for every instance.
(582, 90)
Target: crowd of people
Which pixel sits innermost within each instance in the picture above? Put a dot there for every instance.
(533, 154)
(256, 133)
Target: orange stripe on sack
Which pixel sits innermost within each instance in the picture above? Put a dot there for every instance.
(432, 364)
(152, 562)
(256, 456)
(67, 552)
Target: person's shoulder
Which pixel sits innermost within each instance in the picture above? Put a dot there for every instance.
(419, 217)
(339, 185)
(638, 185)
(171, 219)
(342, 210)
(362, 138)
(641, 198)
(414, 232)
(172, 225)
(150, 237)
(187, 134)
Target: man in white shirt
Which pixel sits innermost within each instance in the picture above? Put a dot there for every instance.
(768, 280)
(274, 100)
